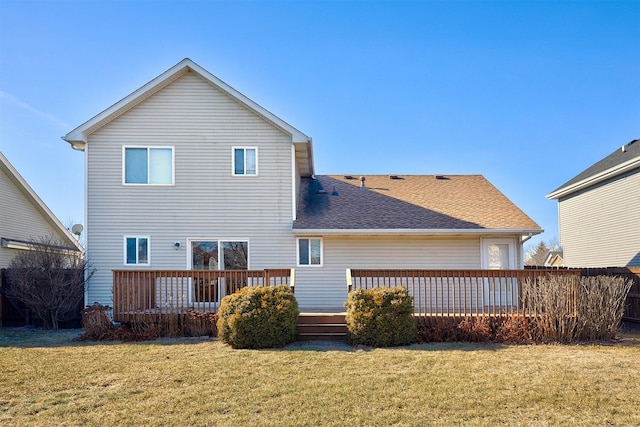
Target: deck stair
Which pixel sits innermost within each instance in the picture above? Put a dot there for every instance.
(322, 327)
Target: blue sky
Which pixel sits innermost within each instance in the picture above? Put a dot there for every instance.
(527, 94)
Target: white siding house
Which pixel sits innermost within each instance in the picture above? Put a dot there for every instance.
(599, 212)
(188, 173)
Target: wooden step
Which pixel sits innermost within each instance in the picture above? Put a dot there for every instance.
(329, 327)
(322, 318)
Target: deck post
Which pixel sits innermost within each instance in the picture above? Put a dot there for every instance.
(349, 280)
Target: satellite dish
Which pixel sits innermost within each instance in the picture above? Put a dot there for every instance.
(77, 229)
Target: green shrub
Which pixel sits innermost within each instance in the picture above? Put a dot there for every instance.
(380, 317)
(258, 317)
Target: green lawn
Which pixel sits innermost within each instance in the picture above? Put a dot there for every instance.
(47, 379)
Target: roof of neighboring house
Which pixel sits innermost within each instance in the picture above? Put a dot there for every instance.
(31, 195)
(422, 204)
(554, 259)
(78, 137)
(620, 161)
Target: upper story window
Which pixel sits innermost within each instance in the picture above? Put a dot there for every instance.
(136, 250)
(310, 252)
(148, 165)
(245, 161)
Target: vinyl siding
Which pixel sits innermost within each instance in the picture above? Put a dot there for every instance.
(600, 226)
(206, 201)
(325, 286)
(20, 219)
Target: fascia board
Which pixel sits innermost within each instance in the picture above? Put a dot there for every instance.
(417, 232)
(26, 189)
(78, 137)
(595, 179)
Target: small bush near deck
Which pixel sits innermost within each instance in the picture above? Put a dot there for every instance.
(98, 326)
(510, 329)
(380, 317)
(96, 322)
(259, 317)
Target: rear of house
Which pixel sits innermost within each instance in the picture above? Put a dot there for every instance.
(186, 173)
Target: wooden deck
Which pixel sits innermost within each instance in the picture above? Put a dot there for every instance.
(435, 292)
(160, 292)
(457, 292)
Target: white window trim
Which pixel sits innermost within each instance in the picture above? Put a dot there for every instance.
(173, 165)
(136, 236)
(484, 252)
(233, 160)
(219, 240)
(298, 252)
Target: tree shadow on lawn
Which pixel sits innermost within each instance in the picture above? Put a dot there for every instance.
(325, 346)
(30, 337)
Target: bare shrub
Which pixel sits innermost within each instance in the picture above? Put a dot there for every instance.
(440, 329)
(517, 329)
(569, 309)
(49, 279)
(200, 323)
(96, 322)
(601, 302)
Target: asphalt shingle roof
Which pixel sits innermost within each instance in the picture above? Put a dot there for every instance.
(408, 202)
(616, 158)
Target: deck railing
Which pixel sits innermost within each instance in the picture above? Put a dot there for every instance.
(159, 292)
(456, 292)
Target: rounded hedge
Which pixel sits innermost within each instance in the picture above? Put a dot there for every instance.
(380, 317)
(258, 317)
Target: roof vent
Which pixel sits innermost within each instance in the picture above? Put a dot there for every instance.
(322, 191)
(624, 148)
(362, 179)
(440, 177)
(394, 177)
(349, 177)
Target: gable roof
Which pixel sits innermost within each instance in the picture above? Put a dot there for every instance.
(407, 204)
(620, 161)
(78, 137)
(37, 202)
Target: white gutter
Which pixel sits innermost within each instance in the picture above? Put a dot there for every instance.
(416, 232)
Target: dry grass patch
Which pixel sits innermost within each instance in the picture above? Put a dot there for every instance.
(195, 382)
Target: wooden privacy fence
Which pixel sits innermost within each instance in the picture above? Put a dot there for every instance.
(456, 292)
(161, 292)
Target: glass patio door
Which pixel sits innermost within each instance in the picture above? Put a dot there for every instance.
(216, 255)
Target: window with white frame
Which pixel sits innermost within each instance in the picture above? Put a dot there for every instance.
(309, 251)
(136, 250)
(245, 161)
(148, 165)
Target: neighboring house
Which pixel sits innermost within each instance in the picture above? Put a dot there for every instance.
(24, 218)
(599, 212)
(554, 259)
(188, 173)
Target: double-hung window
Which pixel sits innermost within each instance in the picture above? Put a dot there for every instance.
(310, 252)
(148, 165)
(136, 250)
(245, 161)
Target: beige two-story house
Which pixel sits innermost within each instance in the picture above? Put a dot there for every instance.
(188, 173)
